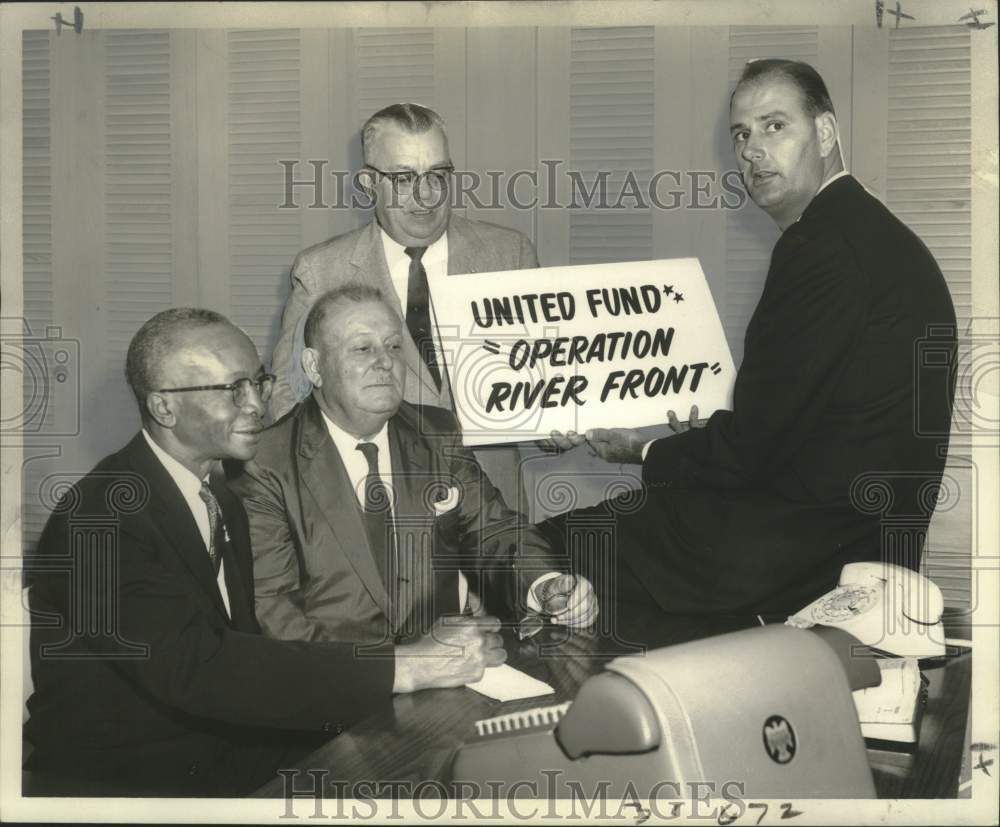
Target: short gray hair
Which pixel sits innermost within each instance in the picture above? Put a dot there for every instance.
(410, 117)
(352, 291)
(155, 342)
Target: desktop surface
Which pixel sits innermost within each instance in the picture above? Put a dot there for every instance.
(414, 739)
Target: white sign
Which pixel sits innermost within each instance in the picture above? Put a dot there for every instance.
(529, 352)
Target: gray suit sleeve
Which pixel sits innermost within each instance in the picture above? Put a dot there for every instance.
(528, 258)
(497, 542)
(292, 385)
(277, 580)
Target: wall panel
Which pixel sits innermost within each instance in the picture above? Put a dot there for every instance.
(263, 127)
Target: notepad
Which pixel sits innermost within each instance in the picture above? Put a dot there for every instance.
(505, 683)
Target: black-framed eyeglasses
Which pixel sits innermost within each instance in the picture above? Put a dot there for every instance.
(240, 389)
(407, 180)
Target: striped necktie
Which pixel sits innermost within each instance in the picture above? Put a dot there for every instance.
(214, 524)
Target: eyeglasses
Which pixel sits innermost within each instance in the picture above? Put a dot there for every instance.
(240, 389)
(407, 180)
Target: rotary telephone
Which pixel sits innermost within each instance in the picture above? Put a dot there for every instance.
(886, 607)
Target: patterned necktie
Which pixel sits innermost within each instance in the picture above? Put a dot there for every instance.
(378, 517)
(418, 316)
(214, 523)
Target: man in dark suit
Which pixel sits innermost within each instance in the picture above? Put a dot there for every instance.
(150, 673)
(407, 174)
(757, 510)
(369, 518)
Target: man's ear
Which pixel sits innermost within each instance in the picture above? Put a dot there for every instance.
(310, 365)
(826, 128)
(160, 408)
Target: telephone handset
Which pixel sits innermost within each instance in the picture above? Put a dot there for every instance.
(887, 607)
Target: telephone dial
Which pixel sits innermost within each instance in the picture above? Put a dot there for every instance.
(886, 607)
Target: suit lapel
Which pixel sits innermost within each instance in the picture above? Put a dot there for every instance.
(371, 267)
(169, 511)
(466, 253)
(325, 477)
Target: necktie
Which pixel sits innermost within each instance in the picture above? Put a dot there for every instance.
(214, 523)
(378, 518)
(418, 316)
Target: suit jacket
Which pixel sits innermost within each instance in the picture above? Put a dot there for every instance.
(315, 573)
(358, 256)
(835, 428)
(167, 694)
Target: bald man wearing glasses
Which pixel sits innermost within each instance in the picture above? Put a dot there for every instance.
(407, 173)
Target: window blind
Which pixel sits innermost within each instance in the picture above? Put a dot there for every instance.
(264, 108)
(36, 410)
(928, 186)
(612, 132)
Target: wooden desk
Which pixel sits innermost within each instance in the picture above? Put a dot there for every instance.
(415, 738)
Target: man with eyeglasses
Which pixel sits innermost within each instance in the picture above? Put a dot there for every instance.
(151, 675)
(407, 174)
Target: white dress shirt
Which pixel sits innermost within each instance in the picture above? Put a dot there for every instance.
(355, 463)
(190, 488)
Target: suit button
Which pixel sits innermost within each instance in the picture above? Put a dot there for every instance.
(194, 769)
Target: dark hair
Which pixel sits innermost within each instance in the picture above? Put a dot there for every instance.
(815, 97)
(321, 308)
(410, 117)
(155, 342)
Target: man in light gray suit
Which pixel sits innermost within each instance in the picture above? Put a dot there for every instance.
(408, 175)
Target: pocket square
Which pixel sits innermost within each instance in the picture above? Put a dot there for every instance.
(447, 503)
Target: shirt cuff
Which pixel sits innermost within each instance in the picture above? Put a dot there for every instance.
(463, 592)
(533, 603)
(645, 449)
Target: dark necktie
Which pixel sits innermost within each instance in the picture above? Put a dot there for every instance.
(378, 519)
(214, 524)
(418, 316)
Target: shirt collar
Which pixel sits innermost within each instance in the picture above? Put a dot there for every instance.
(396, 252)
(831, 179)
(347, 444)
(843, 173)
(187, 482)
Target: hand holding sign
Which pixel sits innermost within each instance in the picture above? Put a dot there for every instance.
(693, 421)
(622, 445)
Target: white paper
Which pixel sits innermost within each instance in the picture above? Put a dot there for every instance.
(505, 683)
